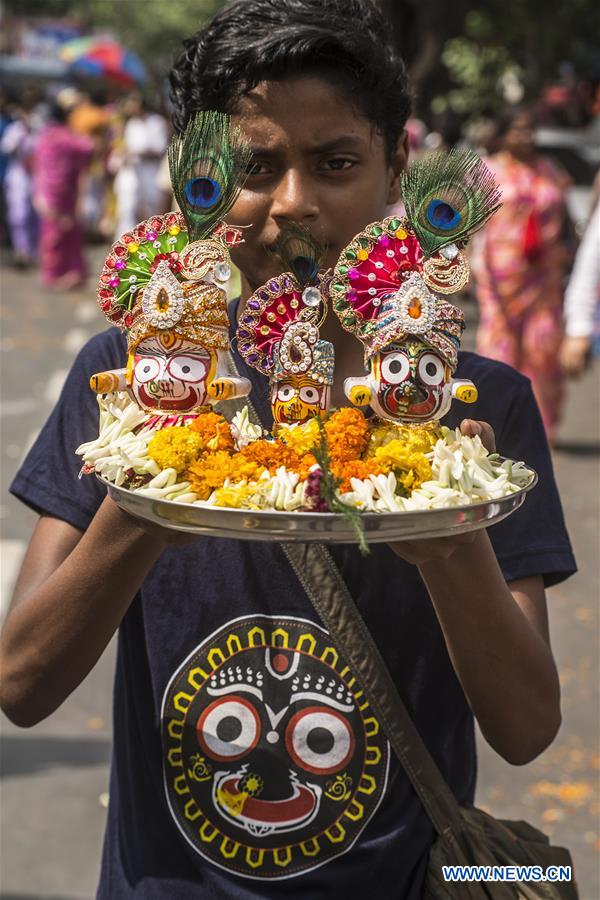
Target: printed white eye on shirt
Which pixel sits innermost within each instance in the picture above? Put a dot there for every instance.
(319, 740)
(228, 729)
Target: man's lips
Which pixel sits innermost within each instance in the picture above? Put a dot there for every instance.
(188, 401)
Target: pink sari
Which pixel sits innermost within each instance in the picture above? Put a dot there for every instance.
(519, 263)
(60, 158)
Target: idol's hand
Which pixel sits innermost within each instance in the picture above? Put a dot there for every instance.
(421, 552)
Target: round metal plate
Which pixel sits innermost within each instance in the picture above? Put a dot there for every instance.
(329, 528)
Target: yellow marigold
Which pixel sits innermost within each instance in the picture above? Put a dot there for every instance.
(211, 471)
(417, 437)
(301, 438)
(234, 496)
(175, 447)
(406, 460)
(347, 434)
(215, 431)
(355, 468)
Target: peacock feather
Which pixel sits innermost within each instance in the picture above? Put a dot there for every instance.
(447, 197)
(299, 252)
(208, 165)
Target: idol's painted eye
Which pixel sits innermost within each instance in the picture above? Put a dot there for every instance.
(186, 368)
(309, 394)
(395, 368)
(319, 740)
(229, 728)
(146, 369)
(285, 392)
(431, 370)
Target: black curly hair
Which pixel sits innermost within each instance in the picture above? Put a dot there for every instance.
(344, 41)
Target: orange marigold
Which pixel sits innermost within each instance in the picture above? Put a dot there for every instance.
(213, 469)
(271, 455)
(215, 431)
(354, 468)
(347, 434)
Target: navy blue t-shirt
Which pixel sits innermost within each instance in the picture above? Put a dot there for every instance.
(246, 762)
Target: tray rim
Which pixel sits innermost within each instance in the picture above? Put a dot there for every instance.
(508, 504)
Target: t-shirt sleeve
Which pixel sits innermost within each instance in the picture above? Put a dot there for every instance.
(534, 539)
(48, 480)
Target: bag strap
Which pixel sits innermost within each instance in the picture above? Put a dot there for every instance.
(326, 589)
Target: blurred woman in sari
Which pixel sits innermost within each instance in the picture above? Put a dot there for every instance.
(520, 261)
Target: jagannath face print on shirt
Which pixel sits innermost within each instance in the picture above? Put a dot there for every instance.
(273, 761)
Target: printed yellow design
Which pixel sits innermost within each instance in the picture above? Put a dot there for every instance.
(339, 787)
(200, 770)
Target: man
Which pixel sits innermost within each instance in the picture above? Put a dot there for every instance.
(246, 762)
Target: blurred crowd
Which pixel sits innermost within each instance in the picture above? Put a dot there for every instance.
(77, 167)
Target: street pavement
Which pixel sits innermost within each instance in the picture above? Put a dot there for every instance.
(55, 776)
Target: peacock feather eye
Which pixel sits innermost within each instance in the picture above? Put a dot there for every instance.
(442, 215)
(202, 193)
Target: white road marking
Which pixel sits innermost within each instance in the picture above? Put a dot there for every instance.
(11, 555)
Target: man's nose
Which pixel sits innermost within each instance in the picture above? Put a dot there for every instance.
(294, 198)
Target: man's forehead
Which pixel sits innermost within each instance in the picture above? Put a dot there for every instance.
(307, 112)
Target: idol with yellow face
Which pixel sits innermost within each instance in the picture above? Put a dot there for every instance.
(297, 398)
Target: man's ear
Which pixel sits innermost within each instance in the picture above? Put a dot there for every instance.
(398, 164)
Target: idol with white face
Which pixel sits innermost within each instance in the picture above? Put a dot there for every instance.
(171, 373)
(409, 381)
(297, 398)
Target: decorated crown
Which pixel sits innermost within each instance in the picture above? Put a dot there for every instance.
(278, 332)
(385, 283)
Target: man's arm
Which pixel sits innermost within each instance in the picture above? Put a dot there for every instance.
(496, 634)
(497, 638)
(71, 594)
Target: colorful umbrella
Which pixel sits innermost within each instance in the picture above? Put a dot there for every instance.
(104, 58)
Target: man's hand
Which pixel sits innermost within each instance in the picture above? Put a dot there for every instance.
(424, 551)
(575, 355)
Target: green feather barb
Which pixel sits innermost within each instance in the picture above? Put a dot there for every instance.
(208, 166)
(447, 197)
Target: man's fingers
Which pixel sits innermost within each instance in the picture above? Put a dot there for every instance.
(472, 427)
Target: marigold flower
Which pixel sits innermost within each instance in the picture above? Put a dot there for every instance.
(215, 431)
(355, 468)
(175, 447)
(406, 460)
(347, 434)
(418, 437)
(301, 438)
(211, 471)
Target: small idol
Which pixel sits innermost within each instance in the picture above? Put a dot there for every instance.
(278, 332)
(386, 288)
(163, 283)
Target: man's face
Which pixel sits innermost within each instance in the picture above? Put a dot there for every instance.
(315, 161)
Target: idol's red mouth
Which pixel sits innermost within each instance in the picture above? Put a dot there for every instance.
(422, 410)
(293, 810)
(188, 401)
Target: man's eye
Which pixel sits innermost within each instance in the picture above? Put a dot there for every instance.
(256, 168)
(340, 164)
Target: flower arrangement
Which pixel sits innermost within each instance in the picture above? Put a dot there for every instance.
(347, 462)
